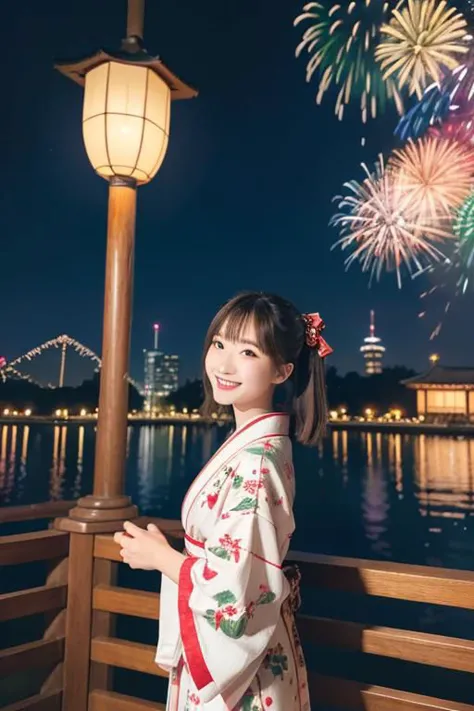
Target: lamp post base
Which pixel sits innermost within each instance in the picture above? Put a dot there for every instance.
(96, 514)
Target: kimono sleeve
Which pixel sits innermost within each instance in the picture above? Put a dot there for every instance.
(230, 599)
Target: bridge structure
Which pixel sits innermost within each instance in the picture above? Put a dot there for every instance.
(14, 369)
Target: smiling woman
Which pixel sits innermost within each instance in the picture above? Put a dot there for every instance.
(242, 375)
(256, 342)
(228, 636)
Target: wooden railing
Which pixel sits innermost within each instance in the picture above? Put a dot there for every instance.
(35, 512)
(95, 601)
(35, 667)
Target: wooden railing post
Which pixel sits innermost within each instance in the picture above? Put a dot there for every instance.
(55, 621)
(103, 624)
(78, 623)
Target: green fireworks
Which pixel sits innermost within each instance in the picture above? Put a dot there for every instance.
(463, 228)
(341, 41)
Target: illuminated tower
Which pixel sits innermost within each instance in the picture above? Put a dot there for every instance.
(372, 350)
(161, 373)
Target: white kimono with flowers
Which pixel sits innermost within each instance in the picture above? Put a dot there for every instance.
(227, 636)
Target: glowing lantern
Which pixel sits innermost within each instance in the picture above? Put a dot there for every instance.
(126, 120)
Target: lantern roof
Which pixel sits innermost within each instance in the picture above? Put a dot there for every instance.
(132, 53)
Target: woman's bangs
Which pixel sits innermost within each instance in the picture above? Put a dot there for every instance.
(235, 323)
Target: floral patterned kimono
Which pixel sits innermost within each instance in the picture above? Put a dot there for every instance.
(227, 631)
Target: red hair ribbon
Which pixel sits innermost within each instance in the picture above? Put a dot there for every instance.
(314, 326)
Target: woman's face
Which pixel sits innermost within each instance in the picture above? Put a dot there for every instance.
(240, 374)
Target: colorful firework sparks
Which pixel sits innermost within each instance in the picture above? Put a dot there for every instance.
(463, 228)
(437, 299)
(451, 281)
(341, 41)
(454, 276)
(380, 221)
(423, 38)
(451, 100)
(437, 174)
(461, 131)
(430, 110)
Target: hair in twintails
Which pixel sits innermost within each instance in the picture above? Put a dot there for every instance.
(280, 333)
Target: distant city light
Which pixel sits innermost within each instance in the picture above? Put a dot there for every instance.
(434, 358)
(28, 412)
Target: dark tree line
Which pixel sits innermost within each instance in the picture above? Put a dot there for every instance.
(381, 392)
(352, 391)
(20, 395)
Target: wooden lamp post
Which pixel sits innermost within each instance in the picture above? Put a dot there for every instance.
(126, 120)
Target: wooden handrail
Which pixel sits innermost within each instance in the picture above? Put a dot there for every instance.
(42, 653)
(45, 701)
(29, 547)
(23, 603)
(421, 647)
(417, 583)
(111, 701)
(126, 601)
(32, 512)
(104, 546)
(125, 654)
(356, 696)
(452, 588)
(391, 580)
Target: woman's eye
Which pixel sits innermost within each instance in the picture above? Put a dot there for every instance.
(249, 353)
(218, 344)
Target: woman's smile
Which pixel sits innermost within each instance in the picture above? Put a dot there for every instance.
(224, 384)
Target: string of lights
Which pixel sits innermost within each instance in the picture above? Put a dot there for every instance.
(60, 342)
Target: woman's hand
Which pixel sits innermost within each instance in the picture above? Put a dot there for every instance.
(148, 550)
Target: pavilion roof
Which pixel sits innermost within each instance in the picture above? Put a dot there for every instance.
(442, 375)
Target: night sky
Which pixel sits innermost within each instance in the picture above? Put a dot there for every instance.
(242, 201)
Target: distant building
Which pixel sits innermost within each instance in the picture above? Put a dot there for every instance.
(161, 374)
(444, 394)
(372, 350)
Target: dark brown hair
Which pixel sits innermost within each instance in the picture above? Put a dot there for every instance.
(280, 333)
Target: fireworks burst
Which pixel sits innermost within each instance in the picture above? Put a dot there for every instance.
(454, 276)
(437, 174)
(422, 39)
(464, 230)
(341, 41)
(454, 130)
(452, 100)
(432, 108)
(381, 222)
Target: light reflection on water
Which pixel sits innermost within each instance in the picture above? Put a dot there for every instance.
(387, 496)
